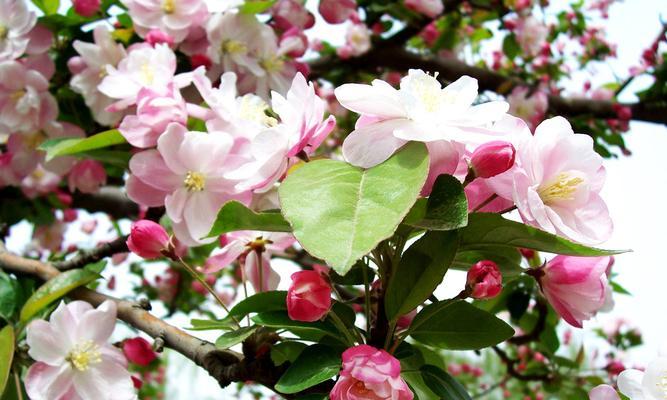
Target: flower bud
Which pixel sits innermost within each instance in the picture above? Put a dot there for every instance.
(148, 239)
(484, 280)
(309, 297)
(86, 8)
(87, 176)
(139, 351)
(492, 158)
(337, 11)
(156, 36)
(430, 8)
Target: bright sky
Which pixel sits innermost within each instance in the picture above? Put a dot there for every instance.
(636, 193)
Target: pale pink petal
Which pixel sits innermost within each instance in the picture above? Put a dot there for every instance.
(630, 384)
(45, 346)
(44, 382)
(372, 144)
(379, 99)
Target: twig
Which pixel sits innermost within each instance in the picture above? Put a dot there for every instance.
(91, 256)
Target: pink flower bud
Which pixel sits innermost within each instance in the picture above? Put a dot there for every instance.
(69, 215)
(309, 297)
(430, 8)
(86, 8)
(76, 65)
(148, 239)
(404, 321)
(156, 36)
(139, 351)
(484, 280)
(87, 176)
(492, 158)
(370, 373)
(200, 60)
(337, 11)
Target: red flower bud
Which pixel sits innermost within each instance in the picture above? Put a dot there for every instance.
(86, 8)
(492, 158)
(148, 239)
(484, 280)
(309, 296)
(139, 351)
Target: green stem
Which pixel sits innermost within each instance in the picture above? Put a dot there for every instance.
(367, 302)
(342, 328)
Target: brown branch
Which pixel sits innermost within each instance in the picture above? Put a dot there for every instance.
(511, 370)
(109, 200)
(450, 69)
(535, 333)
(91, 256)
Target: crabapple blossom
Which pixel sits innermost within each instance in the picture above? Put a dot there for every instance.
(372, 374)
(87, 176)
(137, 350)
(25, 102)
(186, 174)
(556, 182)
(531, 107)
(531, 34)
(430, 8)
(233, 39)
(357, 41)
(484, 280)
(478, 192)
(492, 158)
(337, 11)
(603, 392)
(308, 297)
(16, 22)
(156, 36)
(73, 358)
(292, 14)
(576, 287)
(86, 8)
(148, 239)
(173, 17)
(91, 69)
(421, 110)
(648, 384)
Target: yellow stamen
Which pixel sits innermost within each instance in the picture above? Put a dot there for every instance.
(17, 95)
(259, 244)
(168, 6)
(252, 109)
(83, 354)
(194, 181)
(233, 47)
(272, 64)
(3, 32)
(562, 187)
(147, 74)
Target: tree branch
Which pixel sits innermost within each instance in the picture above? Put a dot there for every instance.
(450, 69)
(516, 374)
(91, 256)
(110, 200)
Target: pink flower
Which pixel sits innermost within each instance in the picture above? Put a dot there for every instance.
(603, 392)
(87, 176)
(144, 67)
(188, 174)
(308, 297)
(576, 287)
(421, 110)
(337, 11)
(556, 182)
(233, 40)
(173, 17)
(251, 248)
(86, 8)
(90, 68)
(25, 102)
(529, 108)
(430, 8)
(492, 158)
(358, 39)
(73, 358)
(294, 41)
(531, 34)
(404, 321)
(148, 239)
(369, 373)
(16, 21)
(50, 237)
(137, 350)
(484, 280)
(478, 191)
(292, 14)
(154, 112)
(156, 36)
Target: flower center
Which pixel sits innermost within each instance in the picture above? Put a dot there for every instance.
(272, 64)
(17, 95)
(562, 187)
(3, 32)
(429, 93)
(83, 354)
(258, 244)
(34, 140)
(662, 384)
(168, 6)
(360, 388)
(147, 74)
(233, 47)
(194, 181)
(254, 109)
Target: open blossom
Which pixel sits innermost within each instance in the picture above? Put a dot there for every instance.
(73, 358)
(421, 110)
(370, 373)
(253, 249)
(292, 14)
(648, 384)
(357, 41)
(430, 8)
(87, 176)
(530, 108)
(174, 17)
(186, 174)
(144, 67)
(233, 39)
(154, 112)
(337, 11)
(531, 34)
(556, 182)
(308, 297)
(576, 287)
(25, 102)
(16, 22)
(90, 68)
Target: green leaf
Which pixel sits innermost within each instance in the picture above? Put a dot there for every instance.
(7, 344)
(442, 384)
(458, 325)
(445, 209)
(275, 300)
(508, 260)
(47, 6)
(340, 212)
(511, 47)
(66, 146)
(256, 6)
(280, 320)
(229, 339)
(315, 364)
(55, 288)
(355, 276)
(117, 158)
(9, 296)
(210, 325)
(419, 272)
(234, 216)
(487, 229)
(286, 352)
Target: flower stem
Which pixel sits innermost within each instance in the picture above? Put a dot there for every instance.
(341, 327)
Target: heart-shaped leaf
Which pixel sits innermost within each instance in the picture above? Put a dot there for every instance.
(339, 212)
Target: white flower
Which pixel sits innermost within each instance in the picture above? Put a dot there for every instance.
(16, 21)
(647, 385)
